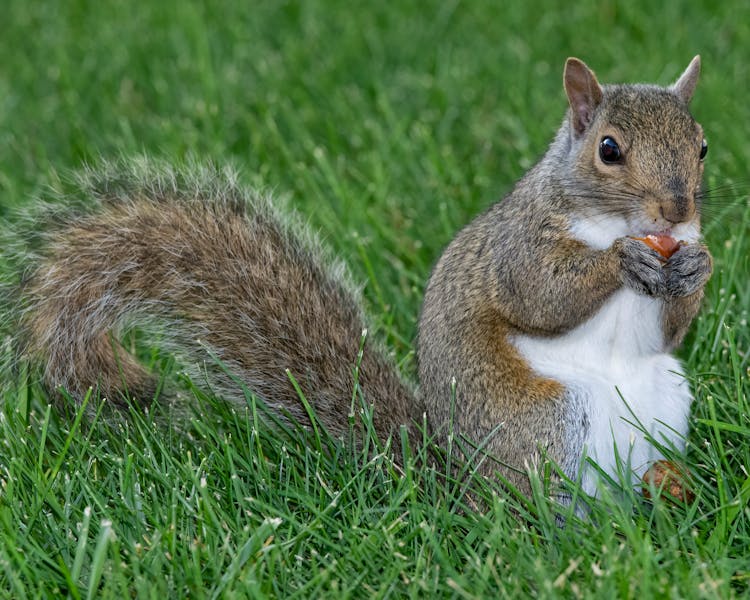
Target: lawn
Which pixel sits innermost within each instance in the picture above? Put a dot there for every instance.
(387, 126)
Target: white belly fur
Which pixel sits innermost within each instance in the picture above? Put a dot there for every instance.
(619, 348)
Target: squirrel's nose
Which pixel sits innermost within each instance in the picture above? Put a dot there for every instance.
(677, 209)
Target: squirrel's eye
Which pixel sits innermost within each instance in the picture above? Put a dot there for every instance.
(704, 148)
(609, 151)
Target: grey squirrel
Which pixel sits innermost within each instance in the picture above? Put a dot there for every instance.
(546, 328)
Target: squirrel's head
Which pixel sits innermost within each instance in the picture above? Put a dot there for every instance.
(638, 147)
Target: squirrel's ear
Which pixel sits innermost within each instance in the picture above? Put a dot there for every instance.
(685, 85)
(584, 93)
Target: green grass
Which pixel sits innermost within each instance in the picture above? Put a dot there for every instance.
(388, 125)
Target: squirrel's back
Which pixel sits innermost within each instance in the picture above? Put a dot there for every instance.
(229, 283)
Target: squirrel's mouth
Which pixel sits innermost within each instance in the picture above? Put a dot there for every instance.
(665, 232)
(686, 232)
(642, 227)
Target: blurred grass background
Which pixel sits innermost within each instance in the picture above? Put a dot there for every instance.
(389, 125)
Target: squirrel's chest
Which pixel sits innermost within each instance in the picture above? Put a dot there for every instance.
(628, 326)
(614, 368)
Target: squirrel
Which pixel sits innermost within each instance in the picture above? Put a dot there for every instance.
(546, 329)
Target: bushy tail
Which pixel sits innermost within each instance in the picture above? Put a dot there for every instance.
(218, 272)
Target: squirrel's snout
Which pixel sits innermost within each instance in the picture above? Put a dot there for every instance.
(677, 209)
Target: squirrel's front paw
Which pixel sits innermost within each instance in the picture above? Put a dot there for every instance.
(642, 267)
(688, 270)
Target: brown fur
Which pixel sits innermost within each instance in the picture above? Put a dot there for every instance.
(227, 276)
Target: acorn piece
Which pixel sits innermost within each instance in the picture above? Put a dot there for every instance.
(665, 245)
(668, 477)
